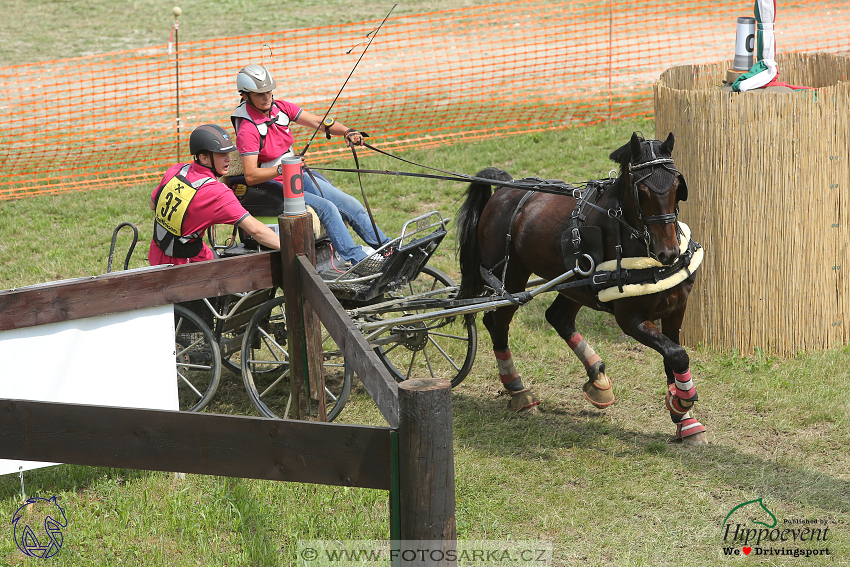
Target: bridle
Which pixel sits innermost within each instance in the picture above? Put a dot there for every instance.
(636, 179)
(616, 213)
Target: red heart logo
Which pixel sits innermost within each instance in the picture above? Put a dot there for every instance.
(747, 550)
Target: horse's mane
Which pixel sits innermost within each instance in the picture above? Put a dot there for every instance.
(622, 155)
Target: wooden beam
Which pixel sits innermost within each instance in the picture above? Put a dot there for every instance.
(136, 289)
(199, 443)
(371, 371)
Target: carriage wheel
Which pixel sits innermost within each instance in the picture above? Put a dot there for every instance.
(232, 360)
(265, 366)
(230, 344)
(198, 360)
(437, 348)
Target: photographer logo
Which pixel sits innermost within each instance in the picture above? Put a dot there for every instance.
(38, 527)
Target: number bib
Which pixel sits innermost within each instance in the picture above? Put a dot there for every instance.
(172, 204)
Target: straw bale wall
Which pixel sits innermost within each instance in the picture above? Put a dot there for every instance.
(769, 197)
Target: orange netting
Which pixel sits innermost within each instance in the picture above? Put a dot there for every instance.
(428, 79)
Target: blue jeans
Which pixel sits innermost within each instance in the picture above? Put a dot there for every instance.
(333, 205)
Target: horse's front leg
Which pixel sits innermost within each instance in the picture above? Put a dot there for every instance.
(681, 392)
(562, 316)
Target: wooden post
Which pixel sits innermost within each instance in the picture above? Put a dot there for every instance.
(426, 468)
(303, 327)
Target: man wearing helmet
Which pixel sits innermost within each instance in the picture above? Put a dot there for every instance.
(263, 138)
(190, 199)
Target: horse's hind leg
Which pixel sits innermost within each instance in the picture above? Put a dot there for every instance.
(498, 323)
(562, 316)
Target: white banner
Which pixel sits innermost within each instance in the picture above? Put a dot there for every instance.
(124, 359)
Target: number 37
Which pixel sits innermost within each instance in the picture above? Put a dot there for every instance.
(164, 212)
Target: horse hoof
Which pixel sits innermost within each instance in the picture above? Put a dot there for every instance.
(599, 392)
(691, 432)
(696, 440)
(524, 400)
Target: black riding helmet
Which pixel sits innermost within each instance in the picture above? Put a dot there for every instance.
(210, 138)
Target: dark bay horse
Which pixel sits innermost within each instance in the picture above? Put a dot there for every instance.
(514, 234)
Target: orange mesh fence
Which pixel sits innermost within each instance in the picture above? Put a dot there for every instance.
(427, 79)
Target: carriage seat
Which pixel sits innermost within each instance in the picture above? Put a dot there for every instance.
(264, 201)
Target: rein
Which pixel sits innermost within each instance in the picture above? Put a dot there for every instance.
(577, 191)
(528, 184)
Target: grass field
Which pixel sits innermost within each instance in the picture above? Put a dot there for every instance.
(56, 29)
(605, 487)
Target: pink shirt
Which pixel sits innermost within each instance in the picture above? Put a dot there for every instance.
(214, 203)
(278, 139)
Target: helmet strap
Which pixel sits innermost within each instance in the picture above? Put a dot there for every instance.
(268, 112)
(211, 166)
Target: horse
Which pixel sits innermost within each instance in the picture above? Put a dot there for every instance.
(507, 235)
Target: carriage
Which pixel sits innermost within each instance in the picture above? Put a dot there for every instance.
(246, 334)
(407, 310)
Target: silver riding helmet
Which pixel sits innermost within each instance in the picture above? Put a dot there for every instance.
(255, 79)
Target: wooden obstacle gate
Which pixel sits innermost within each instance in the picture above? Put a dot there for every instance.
(412, 458)
(768, 177)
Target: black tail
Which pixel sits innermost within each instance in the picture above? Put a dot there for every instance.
(468, 250)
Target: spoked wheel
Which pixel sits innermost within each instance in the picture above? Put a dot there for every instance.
(230, 340)
(198, 360)
(265, 366)
(231, 350)
(443, 348)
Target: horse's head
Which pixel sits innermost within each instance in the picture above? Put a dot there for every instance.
(654, 189)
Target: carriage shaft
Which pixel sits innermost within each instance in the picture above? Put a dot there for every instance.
(485, 304)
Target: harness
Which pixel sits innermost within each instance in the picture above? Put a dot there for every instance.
(581, 243)
(172, 202)
(240, 113)
(607, 276)
(492, 281)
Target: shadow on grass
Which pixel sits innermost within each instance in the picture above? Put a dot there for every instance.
(488, 427)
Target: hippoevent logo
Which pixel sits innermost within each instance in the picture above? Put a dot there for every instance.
(752, 529)
(42, 514)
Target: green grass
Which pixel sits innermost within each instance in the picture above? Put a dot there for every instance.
(605, 487)
(55, 29)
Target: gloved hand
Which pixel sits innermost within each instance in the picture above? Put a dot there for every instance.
(353, 137)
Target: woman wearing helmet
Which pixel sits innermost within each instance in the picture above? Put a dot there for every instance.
(263, 138)
(189, 199)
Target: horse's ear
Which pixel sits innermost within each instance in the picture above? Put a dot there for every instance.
(667, 146)
(682, 189)
(636, 150)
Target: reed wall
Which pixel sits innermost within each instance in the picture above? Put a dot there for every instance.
(769, 195)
